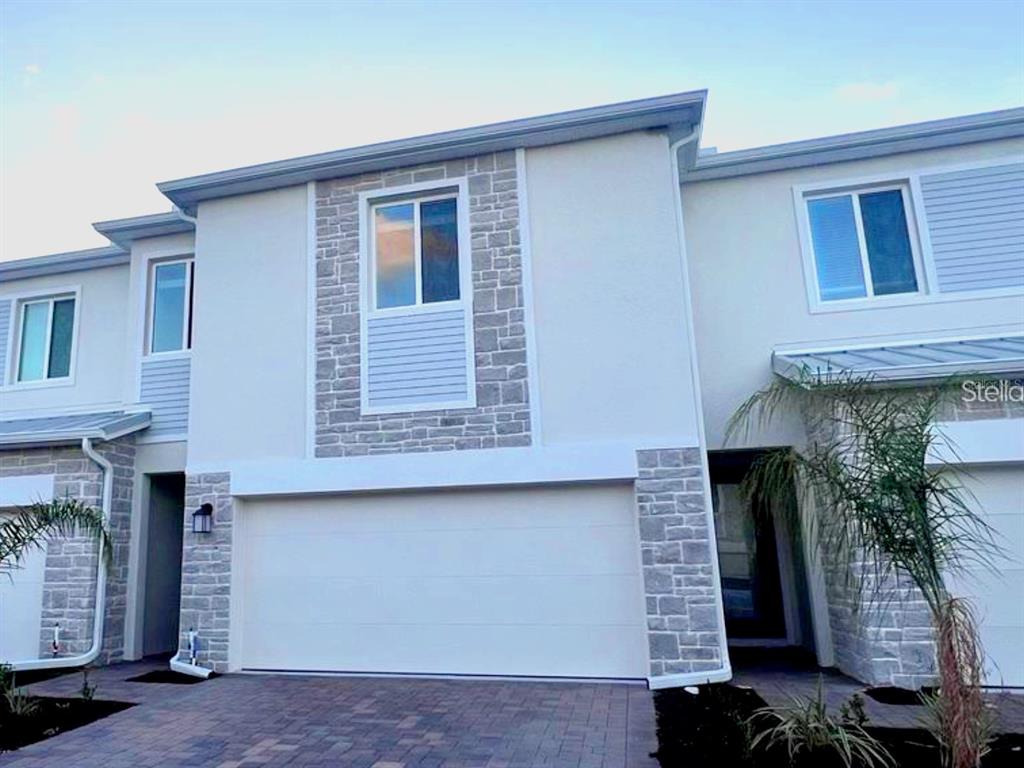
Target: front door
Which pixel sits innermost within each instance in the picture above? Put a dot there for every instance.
(163, 563)
(747, 555)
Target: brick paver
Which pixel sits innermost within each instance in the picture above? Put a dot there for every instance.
(273, 720)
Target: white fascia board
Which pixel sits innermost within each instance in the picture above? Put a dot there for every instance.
(982, 441)
(22, 490)
(954, 131)
(418, 471)
(123, 232)
(62, 263)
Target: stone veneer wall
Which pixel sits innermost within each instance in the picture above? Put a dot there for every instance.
(679, 580)
(880, 636)
(69, 587)
(206, 569)
(502, 415)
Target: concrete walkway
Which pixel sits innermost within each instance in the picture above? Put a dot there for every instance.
(276, 720)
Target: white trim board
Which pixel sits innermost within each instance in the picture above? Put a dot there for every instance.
(22, 490)
(982, 441)
(447, 470)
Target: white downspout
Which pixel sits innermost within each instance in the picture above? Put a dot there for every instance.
(723, 673)
(190, 667)
(101, 581)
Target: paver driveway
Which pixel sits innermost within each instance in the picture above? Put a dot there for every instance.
(243, 720)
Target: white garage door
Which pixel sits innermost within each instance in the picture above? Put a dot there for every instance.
(21, 608)
(998, 596)
(514, 582)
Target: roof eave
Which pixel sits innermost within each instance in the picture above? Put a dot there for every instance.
(61, 263)
(123, 232)
(681, 111)
(990, 126)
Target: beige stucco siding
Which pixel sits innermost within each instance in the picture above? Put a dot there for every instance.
(100, 354)
(748, 280)
(611, 328)
(248, 393)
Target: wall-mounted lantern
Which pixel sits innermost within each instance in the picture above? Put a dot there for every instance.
(202, 519)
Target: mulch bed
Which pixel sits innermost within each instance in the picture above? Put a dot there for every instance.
(53, 716)
(708, 729)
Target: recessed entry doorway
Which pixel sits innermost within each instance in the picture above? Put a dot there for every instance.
(165, 518)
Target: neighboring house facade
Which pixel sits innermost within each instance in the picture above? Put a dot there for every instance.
(446, 399)
(896, 254)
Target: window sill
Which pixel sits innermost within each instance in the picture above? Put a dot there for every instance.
(19, 386)
(910, 300)
(453, 405)
(419, 309)
(177, 355)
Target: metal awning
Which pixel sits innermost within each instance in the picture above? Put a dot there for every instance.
(1001, 355)
(70, 428)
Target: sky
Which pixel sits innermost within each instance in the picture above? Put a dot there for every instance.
(101, 100)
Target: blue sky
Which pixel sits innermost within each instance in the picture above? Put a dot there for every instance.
(101, 100)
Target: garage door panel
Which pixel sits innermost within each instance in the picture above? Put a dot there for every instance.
(500, 551)
(21, 607)
(513, 582)
(430, 649)
(593, 600)
(459, 509)
(1004, 664)
(997, 593)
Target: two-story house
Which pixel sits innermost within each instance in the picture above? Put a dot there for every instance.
(455, 404)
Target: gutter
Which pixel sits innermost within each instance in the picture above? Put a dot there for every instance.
(724, 672)
(101, 581)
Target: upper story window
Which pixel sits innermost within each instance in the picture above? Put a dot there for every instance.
(862, 244)
(46, 335)
(920, 234)
(170, 306)
(416, 335)
(415, 251)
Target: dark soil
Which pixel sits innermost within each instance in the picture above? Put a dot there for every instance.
(709, 729)
(53, 716)
(166, 676)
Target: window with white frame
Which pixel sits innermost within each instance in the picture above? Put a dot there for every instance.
(170, 306)
(415, 251)
(417, 352)
(862, 243)
(46, 336)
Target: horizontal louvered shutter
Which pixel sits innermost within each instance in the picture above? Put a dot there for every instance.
(418, 359)
(975, 221)
(165, 391)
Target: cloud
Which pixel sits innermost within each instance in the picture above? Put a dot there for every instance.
(32, 69)
(866, 93)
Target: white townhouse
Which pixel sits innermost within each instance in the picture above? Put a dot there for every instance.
(455, 404)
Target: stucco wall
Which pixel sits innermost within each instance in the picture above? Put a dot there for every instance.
(248, 392)
(99, 360)
(748, 281)
(612, 352)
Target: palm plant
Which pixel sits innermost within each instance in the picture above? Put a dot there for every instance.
(31, 527)
(891, 516)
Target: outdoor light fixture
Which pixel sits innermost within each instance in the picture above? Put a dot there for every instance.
(202, 519)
